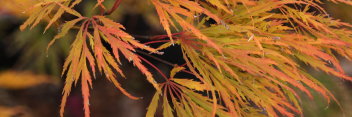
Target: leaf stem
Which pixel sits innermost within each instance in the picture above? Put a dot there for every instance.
(172, 89)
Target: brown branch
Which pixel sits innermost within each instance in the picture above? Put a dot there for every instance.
(116, 5)
(163, 61)
(156, 68)
(102, 10)
(157, 37)
(156, 58)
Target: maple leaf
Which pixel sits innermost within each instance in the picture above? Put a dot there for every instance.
(172, 9)
(244, 64)
(88, 52)
(185, 101)
(23, 79)
(43, 9)
(258, 62)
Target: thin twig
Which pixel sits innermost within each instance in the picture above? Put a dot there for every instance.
(157, 41)
(142, 37)
(116, 5)
(102, 10)
(156, 58)
(156, 68)
(163, 61)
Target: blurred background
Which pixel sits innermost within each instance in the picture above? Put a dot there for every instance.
(30, 83)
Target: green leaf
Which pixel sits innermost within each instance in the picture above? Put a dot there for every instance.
(153, 105)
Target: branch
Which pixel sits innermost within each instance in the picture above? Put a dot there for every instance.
(156, 58)
(116, 5)
(157, 37)
(163, 61)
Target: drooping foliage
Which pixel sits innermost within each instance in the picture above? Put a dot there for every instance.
(243, 55)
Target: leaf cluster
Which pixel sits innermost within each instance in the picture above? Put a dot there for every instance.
(243, 54)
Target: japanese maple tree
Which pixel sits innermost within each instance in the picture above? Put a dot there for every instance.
(243, 55)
